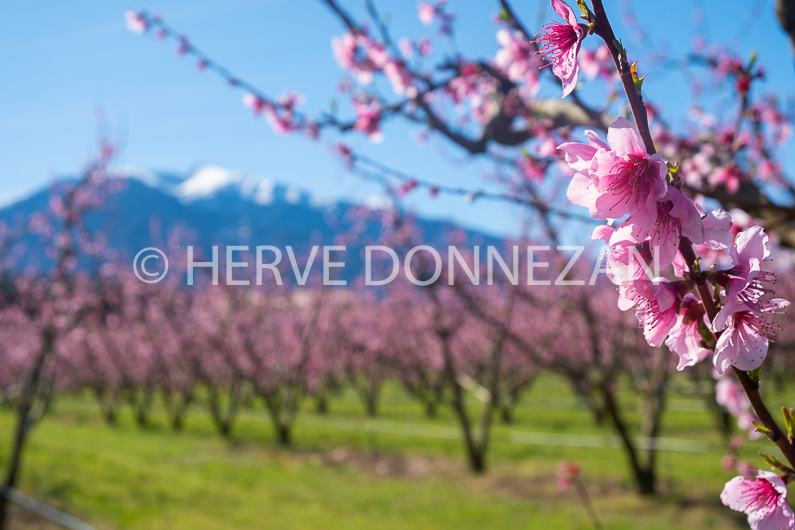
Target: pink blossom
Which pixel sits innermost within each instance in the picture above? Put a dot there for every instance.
(424, 46)
(597, 62)
(751, 248)
(426, 13)
(345, 152)
(745, 283)
(289, 100)
(626, 260)
(696, 168)
(566, 472)
(466, 84)
(406, 48)
(728, 394)
(684, 338)
(359, 54)
(666, 140)
(344, 49)
(728, 462)
(256, 103)
(676, 217)
(531, 168)
(744, 341)
(400, 77)
(627, 179)
(546, 145)
(717, 230)
(516, 56)
(283, 121)
(369, 118)
(476, 88)
(656, 305)
(407, 186)
(582, 189)
(746, 330)
(763, 498)
(768, 170)
(560, 44)
(136, 22)
(311, 129)
(183, 47)
(730, 176)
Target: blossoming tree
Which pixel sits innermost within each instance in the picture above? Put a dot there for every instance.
(708, 206)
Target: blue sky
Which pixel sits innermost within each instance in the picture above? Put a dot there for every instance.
(62, 62)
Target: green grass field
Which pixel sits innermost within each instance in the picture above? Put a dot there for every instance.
(340, 474)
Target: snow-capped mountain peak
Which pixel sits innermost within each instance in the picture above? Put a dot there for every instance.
(206, 182)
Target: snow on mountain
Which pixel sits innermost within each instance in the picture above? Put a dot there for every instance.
(206, 182)
(221, 207)
(210, 181)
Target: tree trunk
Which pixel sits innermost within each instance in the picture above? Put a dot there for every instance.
(109, 413)
(283, 434)
(477, 460)
(141, 418)
(225, 429)
(106, 406)
(372, 406)
(24, 422)
(645, 477)
(506, 414)
(646, 481)
(321, 404)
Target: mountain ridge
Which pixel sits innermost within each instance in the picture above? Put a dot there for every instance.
(223, 207)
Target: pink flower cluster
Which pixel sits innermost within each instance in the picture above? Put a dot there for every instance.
(560, 44)
(566, 473)
(363, 57)
(473, 88)
(282, 114)
(429, 13)
(518, 59)
(617, 179)
(763, 498)
(369, 119)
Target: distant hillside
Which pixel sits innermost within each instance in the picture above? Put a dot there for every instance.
(223, 207)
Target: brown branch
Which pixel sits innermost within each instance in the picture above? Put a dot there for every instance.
(785, 11)
(352, 26)
(751, 387)
(605, 30)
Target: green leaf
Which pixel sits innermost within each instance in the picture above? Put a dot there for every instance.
(752, 59)
(637, 81)
(789, 420)
(772, 460)
(764, 430)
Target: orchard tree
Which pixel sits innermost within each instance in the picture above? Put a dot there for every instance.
(707, 204)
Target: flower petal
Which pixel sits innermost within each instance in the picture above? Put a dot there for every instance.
(625, 139)
(566, 13)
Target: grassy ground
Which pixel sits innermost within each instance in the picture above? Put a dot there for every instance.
(339, 476)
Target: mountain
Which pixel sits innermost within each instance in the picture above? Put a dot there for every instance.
(223, 207)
